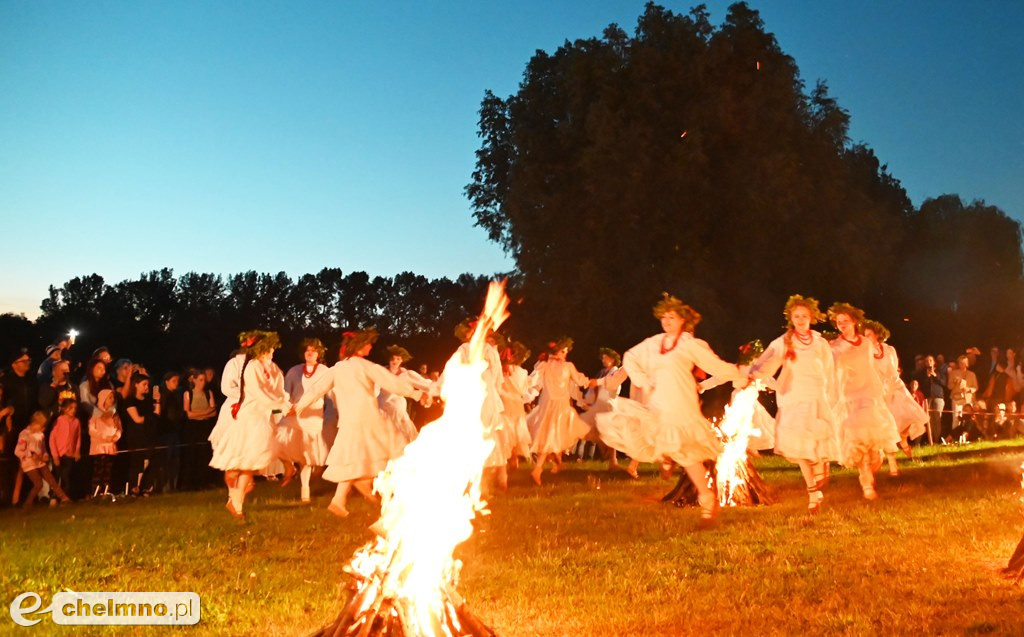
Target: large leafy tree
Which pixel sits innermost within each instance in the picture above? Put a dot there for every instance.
(686, 158)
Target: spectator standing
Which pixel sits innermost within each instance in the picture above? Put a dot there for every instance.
(139, 436)
(170, 425)
(66, 443)
(89, 389)
(21, 395)
(45, 371)
(933, 389)
(1000, 388)
(963, 386)
(199, 408)
(104, 432)
(59, 389)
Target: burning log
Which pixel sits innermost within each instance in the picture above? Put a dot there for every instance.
(753, 491)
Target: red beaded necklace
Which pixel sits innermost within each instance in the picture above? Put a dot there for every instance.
(312, 371)
(807, 341)
(856, 342)
(674, 343)
(881, 353)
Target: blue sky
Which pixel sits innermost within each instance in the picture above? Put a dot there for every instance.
(229, 136)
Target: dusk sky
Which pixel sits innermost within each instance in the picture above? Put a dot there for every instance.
(231, 136)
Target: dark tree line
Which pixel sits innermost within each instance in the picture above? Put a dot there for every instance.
(693, 159)
(193, 319)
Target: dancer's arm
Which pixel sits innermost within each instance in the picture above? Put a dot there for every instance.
(317, 390)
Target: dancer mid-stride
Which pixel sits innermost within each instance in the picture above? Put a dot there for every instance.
(805, 429)
(663, 423)
(366, 441)
(245, 443)
(554, 425)
(911, 419)
(306, 438)
(392, 405)
(867, 425)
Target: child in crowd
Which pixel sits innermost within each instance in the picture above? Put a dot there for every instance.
(31, 452)
(104, 432)
(66, 442)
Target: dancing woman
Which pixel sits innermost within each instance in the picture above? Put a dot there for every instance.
(394, 407)
(245, 443)
(664, 423)
(911, 419)
(305, 438)
(366, 441)
(598, 400)
(515, 394)
(554, 424)
(805, 425)
(867, 425)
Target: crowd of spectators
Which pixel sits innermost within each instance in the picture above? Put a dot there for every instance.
(104, 428)
(970, 397)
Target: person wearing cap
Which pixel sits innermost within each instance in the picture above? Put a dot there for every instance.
(19, 393)
(59, 389)
(45, 372)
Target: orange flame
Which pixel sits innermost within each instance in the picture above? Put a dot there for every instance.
(430, 496)
(736, 427)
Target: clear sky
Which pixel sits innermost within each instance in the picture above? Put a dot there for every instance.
(229, 136)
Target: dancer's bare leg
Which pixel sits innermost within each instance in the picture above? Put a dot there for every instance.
(812, 475)
(894, 468)
(340, 499)
(705, 496)
(305, 473)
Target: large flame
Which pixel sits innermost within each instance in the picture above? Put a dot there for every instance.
(429, 497)
(736, 427)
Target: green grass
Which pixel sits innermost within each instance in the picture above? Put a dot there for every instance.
(591, 553)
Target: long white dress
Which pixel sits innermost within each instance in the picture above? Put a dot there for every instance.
(366, 441)
(554, 425)
(805, 425)
(246, 441)
(307, 436)
(668, 425)
(911, 419)
(230, 381)
(866, 424)
(396, 409)
(515, 393)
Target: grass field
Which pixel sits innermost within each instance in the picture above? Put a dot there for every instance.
(591, 553)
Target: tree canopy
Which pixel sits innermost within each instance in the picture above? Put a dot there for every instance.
(692, 158)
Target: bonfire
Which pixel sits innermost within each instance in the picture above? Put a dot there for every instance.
(404, 582)
(732, 475)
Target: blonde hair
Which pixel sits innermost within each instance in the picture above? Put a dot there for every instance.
(810, 303)
(855, 313)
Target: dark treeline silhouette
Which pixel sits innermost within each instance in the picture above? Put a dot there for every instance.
(169, 322)
(692, 159)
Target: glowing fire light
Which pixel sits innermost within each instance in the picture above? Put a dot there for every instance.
(430, 496)
(72, 335)
(737, 427)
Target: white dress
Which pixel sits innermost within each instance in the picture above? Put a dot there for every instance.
(366, 441)
(230, 381)
(910, 418)
(246, 441)
(599, 399)
(515, 393)
(805, 425)
(306, 437)
(668, 425)
(396, 409)
(866, 424)
(554, 425)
